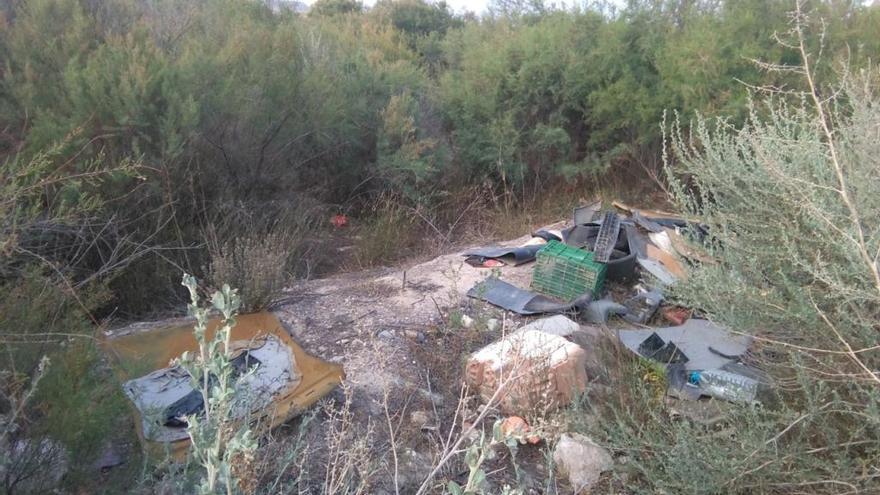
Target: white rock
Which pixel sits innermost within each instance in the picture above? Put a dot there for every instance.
(467, 321)
(581, 461)
(493, 324)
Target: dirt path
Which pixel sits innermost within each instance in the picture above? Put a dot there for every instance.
(369, 320)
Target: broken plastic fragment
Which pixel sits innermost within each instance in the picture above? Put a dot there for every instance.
(599, 311)
(642, 306)
(511, 256)
(607, 238)
(521, 301)
(665, 352)
(657, 270)
(694, 339)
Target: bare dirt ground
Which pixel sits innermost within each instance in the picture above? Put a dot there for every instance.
(394, 330)
(369, 318)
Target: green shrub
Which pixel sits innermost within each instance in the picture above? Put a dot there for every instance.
(221, 442)
(77, 405)
(790, 200)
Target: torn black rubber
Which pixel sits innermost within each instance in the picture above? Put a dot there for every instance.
(520, 301)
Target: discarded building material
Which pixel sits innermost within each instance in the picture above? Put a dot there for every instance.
(566, 272)
(669, 261)
(642, 306)
(657, 270)
(286, 380)
(655, 215)
(517, 428)
(685, 249)
(694, 339)
(537, 370)
(661, 240)
(510, 256)
(521, 301)
(654, 347)
(646, 223)
(587, 213)
(635, 239)
(675, 314)
(607, 237)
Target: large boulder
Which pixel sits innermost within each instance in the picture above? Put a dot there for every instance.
(540, 371)
(581, 461)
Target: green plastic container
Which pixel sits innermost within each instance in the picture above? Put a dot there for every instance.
(566, 272)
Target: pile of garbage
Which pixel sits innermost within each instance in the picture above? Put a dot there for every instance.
(619, 263)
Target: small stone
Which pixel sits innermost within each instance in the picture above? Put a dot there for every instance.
(416, 335)
(467, 321)
(419, 418)
(493, 325)
(386, 334)
(581, 461)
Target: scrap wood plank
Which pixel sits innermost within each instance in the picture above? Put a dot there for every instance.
(650, 213)
(668, 260)
(688, 250)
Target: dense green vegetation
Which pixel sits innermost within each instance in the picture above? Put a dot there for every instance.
(233, 110)
(791, 206)
(144, 138)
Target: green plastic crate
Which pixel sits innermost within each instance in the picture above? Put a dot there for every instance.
(566, 272)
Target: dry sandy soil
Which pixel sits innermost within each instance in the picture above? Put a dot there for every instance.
(390, 328)
(367, 320)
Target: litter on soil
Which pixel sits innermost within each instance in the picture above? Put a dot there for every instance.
(700, 356)
(509, 256)
(373, 316)
(532, 369)
(520, 301)
(284, 380)
(706, 345)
